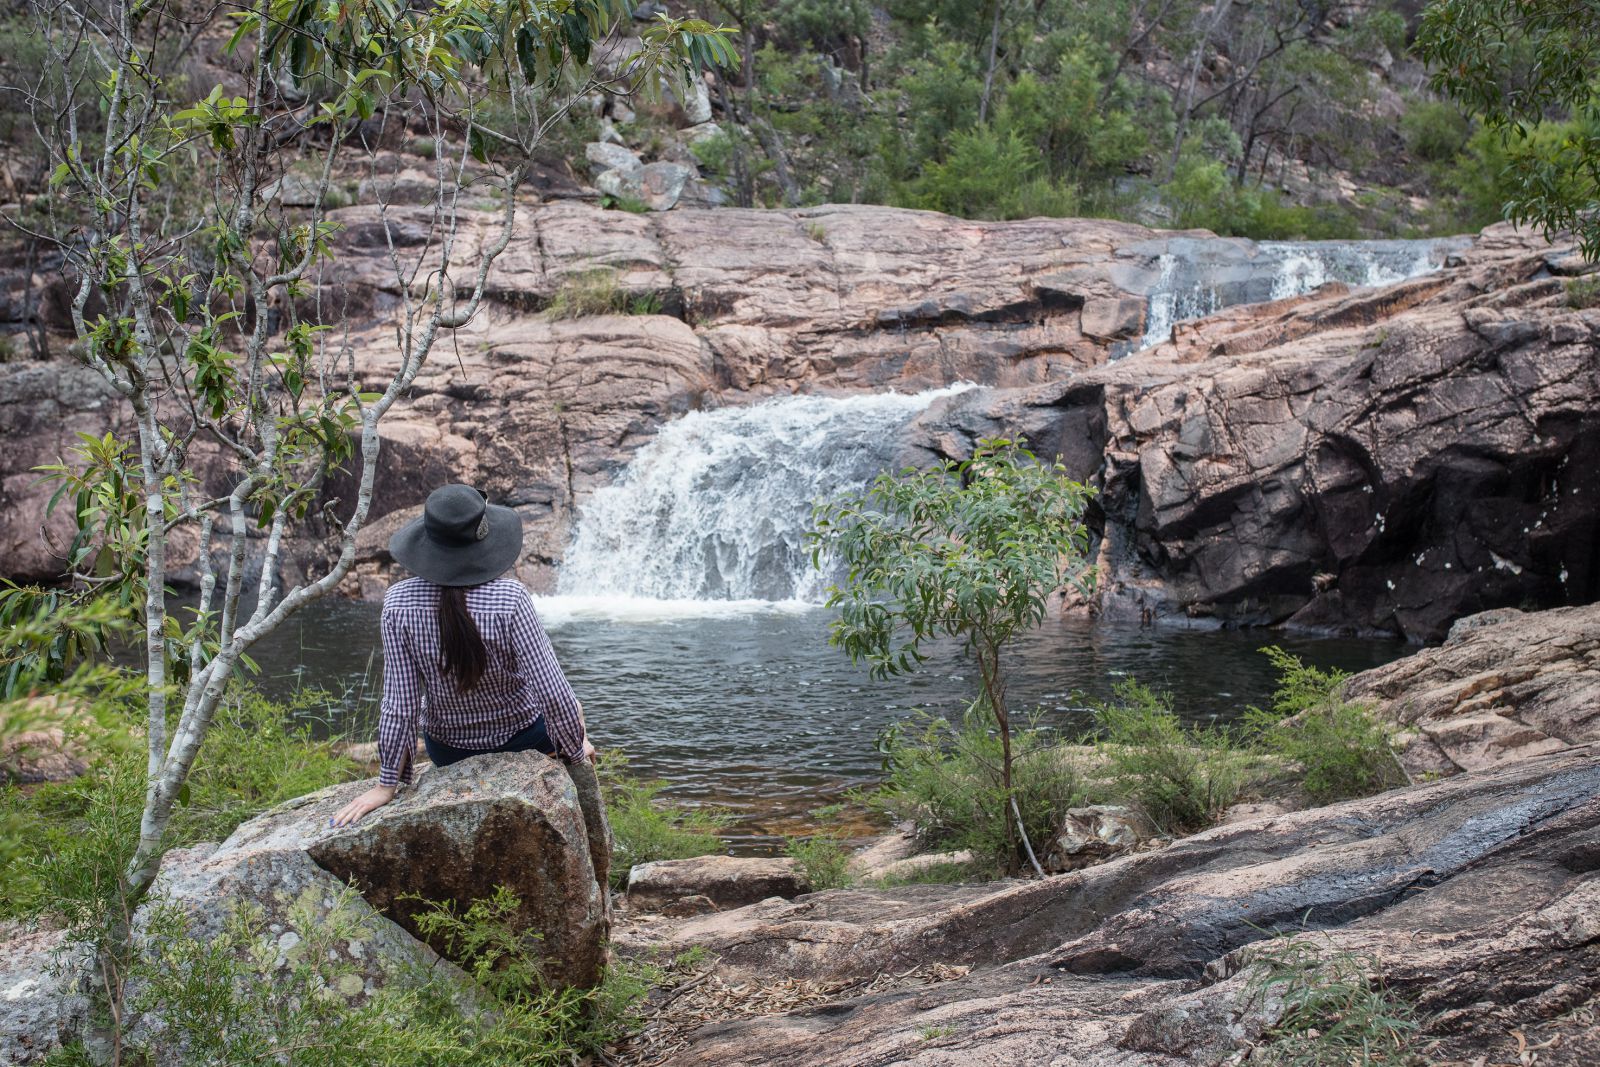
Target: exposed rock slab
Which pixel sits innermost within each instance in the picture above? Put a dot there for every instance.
(1474, 896)
(724, 881)
(1371, 460)
(38, 1003)
(1505, 685)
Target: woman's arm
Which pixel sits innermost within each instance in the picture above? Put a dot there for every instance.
(563, 715)
(397, 723)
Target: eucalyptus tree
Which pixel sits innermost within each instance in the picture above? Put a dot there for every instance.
(971, 551)
(1516, 64)
(205, 298)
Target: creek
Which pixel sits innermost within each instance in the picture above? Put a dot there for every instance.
(689, 620)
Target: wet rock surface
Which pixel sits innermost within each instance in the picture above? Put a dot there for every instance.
(1474, 897)
(1506, 684)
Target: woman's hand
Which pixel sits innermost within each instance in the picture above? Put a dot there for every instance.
(371, 800)
(588, 751)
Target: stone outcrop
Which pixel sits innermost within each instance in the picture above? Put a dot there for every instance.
(749, 303)
(1370, 460)
(1475, 897)
(717, 881)
(38, 1002)
(1506, 684)
(514, 820)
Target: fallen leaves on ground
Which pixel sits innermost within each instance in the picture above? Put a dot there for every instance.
(673, 1014)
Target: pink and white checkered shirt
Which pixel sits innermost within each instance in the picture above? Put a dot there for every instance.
(521, 682)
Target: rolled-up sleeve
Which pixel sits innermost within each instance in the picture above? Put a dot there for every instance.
(403, 696)
(563, 715)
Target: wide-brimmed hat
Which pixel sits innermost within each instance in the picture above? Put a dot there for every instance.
(461, 538)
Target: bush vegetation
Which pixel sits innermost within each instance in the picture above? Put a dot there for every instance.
(1334, 1013)
(1182, 777)
(1066, 114)
(824, 861)
(941, 777)
(596, 292)
(1342, 751)
(645, 827)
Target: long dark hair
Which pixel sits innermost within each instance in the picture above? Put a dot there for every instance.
(464, 655)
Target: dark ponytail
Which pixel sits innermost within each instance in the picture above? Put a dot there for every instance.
(460, 643)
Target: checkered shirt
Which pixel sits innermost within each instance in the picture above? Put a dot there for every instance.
(521, 681)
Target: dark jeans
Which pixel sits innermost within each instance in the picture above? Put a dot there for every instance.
(533, 737)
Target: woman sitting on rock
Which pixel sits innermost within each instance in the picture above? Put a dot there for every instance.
(463, 650)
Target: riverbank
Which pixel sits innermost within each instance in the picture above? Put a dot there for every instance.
(1466, 903)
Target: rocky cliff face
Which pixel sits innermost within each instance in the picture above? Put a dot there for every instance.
(1377, 459)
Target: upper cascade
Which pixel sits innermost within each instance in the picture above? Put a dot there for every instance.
(717, 505)
(1196, 277)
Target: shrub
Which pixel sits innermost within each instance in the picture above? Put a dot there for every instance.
(1583, 292)
(971, 551)
(259, 753)
(991, 175)
(646, 828)
(1344, 751)
(1182, 779)
(823, 860)
(1435, 131)
(942, 778)
(596, 292)
(1334, 1014)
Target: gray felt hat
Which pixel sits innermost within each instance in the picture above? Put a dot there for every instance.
(461, 538)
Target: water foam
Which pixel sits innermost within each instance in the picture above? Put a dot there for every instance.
(714, 510)
(1198, 277)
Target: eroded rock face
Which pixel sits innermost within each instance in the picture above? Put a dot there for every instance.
(1474, 896)
(1377, 460)
(1505, 685)
(1383, 459)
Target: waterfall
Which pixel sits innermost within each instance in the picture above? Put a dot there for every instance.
(1194, 277)
(716, 506)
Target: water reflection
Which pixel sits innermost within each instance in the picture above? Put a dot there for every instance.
(756, 711)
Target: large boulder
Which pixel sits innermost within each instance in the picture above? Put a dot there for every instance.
(507, 819)
(1505, 685)
(39, 1001)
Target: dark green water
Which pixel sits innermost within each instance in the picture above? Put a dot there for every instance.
(754, 710)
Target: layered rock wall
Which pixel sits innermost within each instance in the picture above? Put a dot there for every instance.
(1382, 459)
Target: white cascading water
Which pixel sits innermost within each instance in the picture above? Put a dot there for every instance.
(1201, 277)
(1170, 303)
(717, 506)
